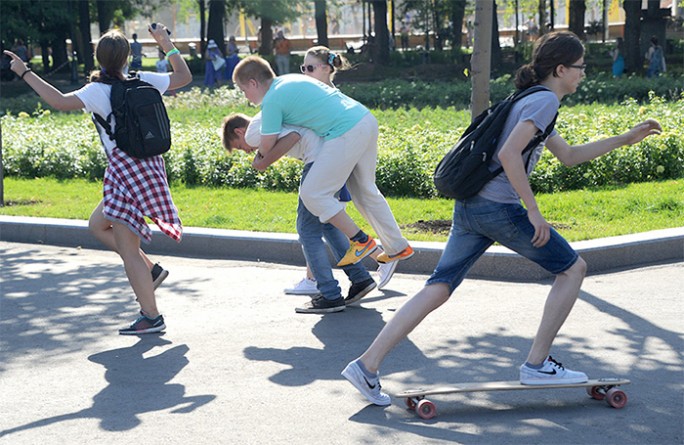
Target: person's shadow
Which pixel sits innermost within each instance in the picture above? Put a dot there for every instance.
(136, 385)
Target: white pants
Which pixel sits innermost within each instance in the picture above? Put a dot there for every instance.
(352, 158)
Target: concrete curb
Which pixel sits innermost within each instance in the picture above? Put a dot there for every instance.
(498, 263)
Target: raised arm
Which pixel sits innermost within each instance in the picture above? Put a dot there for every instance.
(181, 74)
(577, 154)
(47, 92)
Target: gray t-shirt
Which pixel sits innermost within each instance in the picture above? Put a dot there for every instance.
(539, 108)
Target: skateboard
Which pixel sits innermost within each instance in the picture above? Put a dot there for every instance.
(598, 389)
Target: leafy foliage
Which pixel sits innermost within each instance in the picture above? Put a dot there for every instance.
(412, 141)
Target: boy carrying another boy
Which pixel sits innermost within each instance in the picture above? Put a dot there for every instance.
(348, 153)
(238, 132)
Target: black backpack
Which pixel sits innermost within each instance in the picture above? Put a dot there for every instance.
(464, 170)
(142, 127)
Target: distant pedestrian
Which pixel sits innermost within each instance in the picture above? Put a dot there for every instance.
(136, 54)
(618, 58)
(134, 189)
(656, 59)
(281, 46)
(214, 65)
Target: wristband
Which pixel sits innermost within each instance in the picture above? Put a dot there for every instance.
(172, 52)
(28, 70)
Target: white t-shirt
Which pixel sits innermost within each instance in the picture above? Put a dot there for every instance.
(95, 97)
(306, 150)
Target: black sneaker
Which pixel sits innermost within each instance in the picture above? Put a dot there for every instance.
(359, 290)
(321, 306)
(159, 274)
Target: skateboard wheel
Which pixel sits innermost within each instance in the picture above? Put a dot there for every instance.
(596, 393)
(426, 409)
(411, 404)
(616, 398)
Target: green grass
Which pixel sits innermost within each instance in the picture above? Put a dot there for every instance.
(578, 215)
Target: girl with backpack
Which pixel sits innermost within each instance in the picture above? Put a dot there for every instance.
(495, 214)
(133, 188)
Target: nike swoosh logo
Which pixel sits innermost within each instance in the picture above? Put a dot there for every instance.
(360, 252)
(549, 372)
(368, 383)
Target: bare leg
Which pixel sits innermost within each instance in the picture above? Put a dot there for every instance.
(404, 321)
(344, 223)
(128, 247)
(559, 303)
(101, 228)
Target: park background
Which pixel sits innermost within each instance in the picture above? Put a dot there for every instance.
(421, 95)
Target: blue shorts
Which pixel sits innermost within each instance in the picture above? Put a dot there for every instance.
(478, 223)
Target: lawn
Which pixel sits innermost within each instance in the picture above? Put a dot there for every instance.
(578, 215)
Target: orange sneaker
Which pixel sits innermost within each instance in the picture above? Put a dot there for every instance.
(384, 258)
(357, 251)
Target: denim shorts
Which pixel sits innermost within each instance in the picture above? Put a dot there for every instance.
(478, 223)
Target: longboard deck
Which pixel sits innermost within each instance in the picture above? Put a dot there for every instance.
(512, 385)
(599, 389)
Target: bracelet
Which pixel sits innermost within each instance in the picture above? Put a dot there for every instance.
(172, 52)
(28, 70)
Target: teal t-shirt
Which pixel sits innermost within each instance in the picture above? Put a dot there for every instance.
(295, 99)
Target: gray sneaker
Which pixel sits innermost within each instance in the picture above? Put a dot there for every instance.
(320, 305)
(370, 388)
(551, 373)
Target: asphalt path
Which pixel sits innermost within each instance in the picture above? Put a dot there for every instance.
(236, 365)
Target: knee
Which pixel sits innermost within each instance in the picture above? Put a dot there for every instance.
(578, 270)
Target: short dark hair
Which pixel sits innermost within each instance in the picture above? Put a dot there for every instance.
(230, 124)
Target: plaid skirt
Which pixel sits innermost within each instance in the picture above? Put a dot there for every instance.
(137, 188)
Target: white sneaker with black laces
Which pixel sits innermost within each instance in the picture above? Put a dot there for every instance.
(369, 387)
(385, 272)
(551, 373)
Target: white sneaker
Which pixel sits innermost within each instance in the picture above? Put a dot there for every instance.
(304, 287)
(385, 272)
(370, 388)
(551, 373)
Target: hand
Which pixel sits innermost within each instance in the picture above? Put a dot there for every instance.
(16, 64)
(161, 34)
(542, 229)
(641, 131)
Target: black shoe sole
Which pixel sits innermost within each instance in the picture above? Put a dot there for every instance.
(361, 294)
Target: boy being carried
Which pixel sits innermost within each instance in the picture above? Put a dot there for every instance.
(348, 154)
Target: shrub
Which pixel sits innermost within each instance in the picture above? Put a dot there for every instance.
(411, 143)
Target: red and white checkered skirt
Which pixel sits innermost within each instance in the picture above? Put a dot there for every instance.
(135, 188)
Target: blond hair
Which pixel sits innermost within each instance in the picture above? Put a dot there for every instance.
(230, 124)
(253, 67)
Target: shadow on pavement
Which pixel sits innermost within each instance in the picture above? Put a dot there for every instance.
(135, 385)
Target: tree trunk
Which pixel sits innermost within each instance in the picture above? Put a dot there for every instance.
(321, 22)
(86, 38)
(381, 32)
(217, 15)
(496, 46)
(576, 24)
(480, 63)
(457, 12)
(59, 50)
(105, 15)
(632, 35)
(266, 48)
(203, 26)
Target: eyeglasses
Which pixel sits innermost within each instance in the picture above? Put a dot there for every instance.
(309, 68)
(579, 67)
